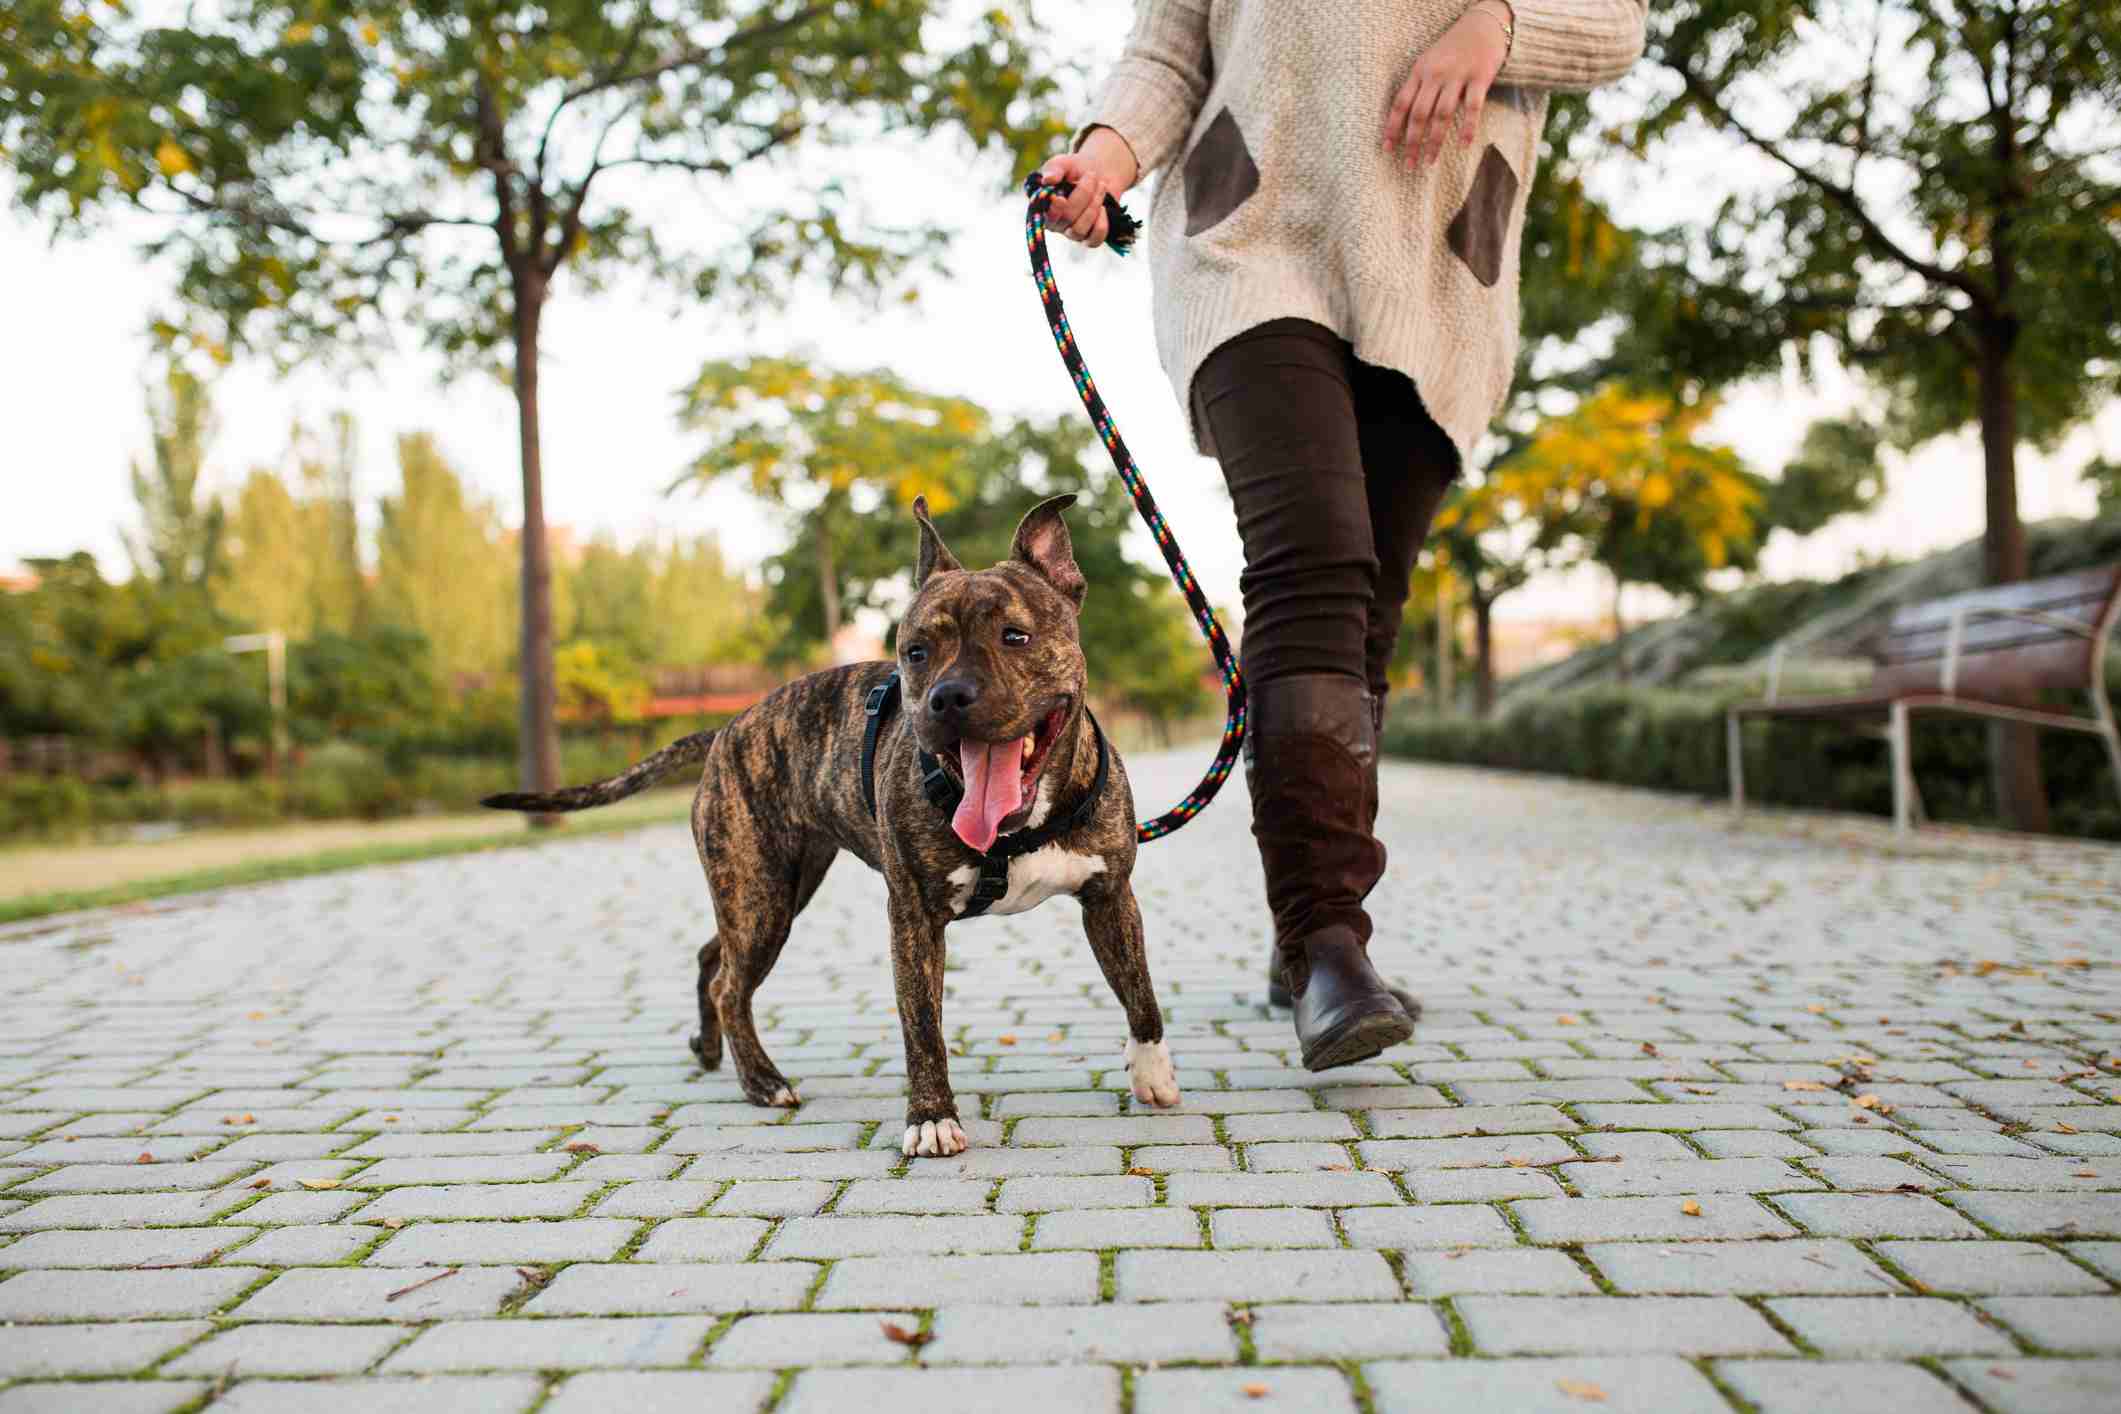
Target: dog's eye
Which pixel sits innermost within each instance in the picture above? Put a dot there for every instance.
(916, 653)
(1015, 637)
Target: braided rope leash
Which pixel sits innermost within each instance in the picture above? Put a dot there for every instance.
(1122, 229)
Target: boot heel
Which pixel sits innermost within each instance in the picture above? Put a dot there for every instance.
(1358, 1038)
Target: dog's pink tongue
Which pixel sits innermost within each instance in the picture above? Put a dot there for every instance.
(994, 788)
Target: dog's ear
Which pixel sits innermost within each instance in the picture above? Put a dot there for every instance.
(1042, 542)
(935, 556)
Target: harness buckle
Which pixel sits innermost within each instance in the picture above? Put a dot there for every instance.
(880, 695)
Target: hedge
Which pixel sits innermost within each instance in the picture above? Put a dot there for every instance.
(1673, 740)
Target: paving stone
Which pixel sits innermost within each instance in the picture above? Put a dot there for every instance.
(138, 1397)
(1022, 1389)
(315, 1245)
(129, 1210)
(502, 1243)
(1647, 1146)
(1030, 1279)
(1632, 1179)
(1876, 1174)
(1470, 1120)
(265, 1349)
(1451, 1225)
(1991, 1268)
(657, 1198)
(365, 1294)
(1874, 1215)
(1272, 1227)
(2025, 1386)
(1480, 1185)
(1348, 1331)
(1683, 1116)
(1184, 1391)
(1185, 1158)
(1130, 1129)
(93, 1349)
(493, 1168)
(1802, 1266)
(553, 1345)
(1750, 1144)
(767, 1199)
(1813, 1386)
(1722, 1216)
(129, 1295)
(1262, 1190)
(2076, 1325)
(809, 1339)
(1040, 1195)
(480, 1200)
(1253, 1276)
(1465, 1272)
(167, 1246)
(301, 1208)
(1297, 1156)
(662, 1392)
(1651, 1384)
(629, 1288)
(1405, 1155)
(2065, 1215)
(914, 1195)
(1102, 1228)
(998, 1335)
(859, 1163)
(1319, 1124)
(1648, 1325)
(1870, 1327)
(835, 1237)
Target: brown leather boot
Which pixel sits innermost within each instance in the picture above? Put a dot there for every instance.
(1277, 985)
(1313, 748)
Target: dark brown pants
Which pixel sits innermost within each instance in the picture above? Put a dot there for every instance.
(1335, 470)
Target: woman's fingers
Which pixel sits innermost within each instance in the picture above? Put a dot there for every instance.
(1396, 117)
(1091, 192)
(1419, 117)
(1098, 232)
(1469, 118)
(1448, 100)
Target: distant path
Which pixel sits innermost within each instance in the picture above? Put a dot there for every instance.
(1787, 1116)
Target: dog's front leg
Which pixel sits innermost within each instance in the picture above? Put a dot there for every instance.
(932, 1129)
(1113, 922)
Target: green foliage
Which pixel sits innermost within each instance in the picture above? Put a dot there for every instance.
(1987, 123)
(178, 545)
(294, 550)
(847, 453)
(336, 167)
(2104, 474)
(1836, 472)
(1667, 740)
(443, 568)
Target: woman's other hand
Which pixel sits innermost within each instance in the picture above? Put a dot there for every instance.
(1103, 166)
(1449, 84)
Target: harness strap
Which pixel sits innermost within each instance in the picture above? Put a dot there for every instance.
(944, 793)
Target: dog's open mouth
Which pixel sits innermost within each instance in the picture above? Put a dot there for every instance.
(999, 776)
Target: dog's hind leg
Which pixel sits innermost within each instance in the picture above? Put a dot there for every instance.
(755, 902)
(706, 1043)
(1112, 921)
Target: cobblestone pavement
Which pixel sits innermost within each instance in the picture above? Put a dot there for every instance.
(1780, 1117)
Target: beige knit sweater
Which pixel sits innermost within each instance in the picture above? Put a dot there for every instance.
(1281, 202)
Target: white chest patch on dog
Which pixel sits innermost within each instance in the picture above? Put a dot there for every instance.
(1033, 878)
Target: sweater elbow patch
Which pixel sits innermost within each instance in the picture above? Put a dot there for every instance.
(1479, 231)
(1220, 174)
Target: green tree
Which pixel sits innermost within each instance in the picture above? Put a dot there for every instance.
(1642, 494)
(1942, 213)
(704, 611)
(846, 454)
(292, 553)
(612, 599)
(1836, 472)
(442, 565)
(329, 168)
(178, 544)
(2104, 474)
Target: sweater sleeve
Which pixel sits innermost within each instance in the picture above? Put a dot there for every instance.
(1574, 45)
(1155, 91)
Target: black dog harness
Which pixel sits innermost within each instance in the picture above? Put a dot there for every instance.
(944, 793)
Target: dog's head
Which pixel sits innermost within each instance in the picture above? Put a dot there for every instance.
(993, 667)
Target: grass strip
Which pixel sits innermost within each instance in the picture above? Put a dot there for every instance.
(330, 861)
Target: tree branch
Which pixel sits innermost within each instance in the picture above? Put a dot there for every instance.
(492, 156)
(681, 59)
(1842, 196)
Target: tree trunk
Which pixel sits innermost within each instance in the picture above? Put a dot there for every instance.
(1620, 632)
(538, 733)
(828, 589)
(2013, 747)
(1445, 688)
(1484, 655)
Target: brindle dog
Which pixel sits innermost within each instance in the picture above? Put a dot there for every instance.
(992, 679)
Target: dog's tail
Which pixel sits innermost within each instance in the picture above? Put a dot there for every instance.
(631, 781)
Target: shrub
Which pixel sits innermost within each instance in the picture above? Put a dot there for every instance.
(1674, 740)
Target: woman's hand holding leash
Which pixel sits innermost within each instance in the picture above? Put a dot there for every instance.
(1103, 166)
(1449, 83)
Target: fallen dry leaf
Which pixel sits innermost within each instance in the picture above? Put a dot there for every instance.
(1691, 1208)
(1006, 1040)
(261, 1183)
(1803, 1085)
(1566, 1020)
(1581, 1389)
(1649, 1048)
(239, 1119)
(254, 1016)
(2062, 1128)
(1816, 1009)
(318, 1183)
(2085, 1173)
(1866, 1102)
(1139, 1172)
(1055, 1037)
(145, 1159)
(1254, 1390)
(582, 1146)
(2075, 962)
(896, 1332)
(393, 1223)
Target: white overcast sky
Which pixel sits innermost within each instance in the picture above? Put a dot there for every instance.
(72, 373)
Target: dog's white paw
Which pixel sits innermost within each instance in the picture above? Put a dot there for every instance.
(1149, 1069)
(935, 1139)
(786, 1097)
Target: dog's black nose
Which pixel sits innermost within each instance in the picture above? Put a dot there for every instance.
(952, 697)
